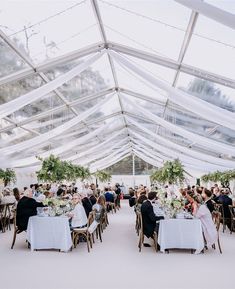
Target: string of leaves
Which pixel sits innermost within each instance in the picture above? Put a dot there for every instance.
(223, 177)
(103, 176)
(55, 170)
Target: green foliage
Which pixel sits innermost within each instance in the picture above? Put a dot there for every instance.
(7, 176)
(171, 172)
(55, 170)
(222, 177)
(103, 176)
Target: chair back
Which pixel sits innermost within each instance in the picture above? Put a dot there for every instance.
(91, 218)
(218, 217)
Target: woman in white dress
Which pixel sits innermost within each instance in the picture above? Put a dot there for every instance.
(202, 212)
(78, 214)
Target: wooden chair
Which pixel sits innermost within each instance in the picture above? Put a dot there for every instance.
(83, 232)
(104, 221)
(2, 216)
(112, 206)
(232, 212)
(217, 218)
(141, 234)
(8, 215)
(137, 223)
(16, 230)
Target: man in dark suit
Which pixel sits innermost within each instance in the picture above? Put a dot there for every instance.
(207, 195)
(148, 216)
(225, 200)
(26, 208)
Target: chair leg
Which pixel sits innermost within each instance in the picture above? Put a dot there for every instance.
(219, 246)
(99, 232)
(155, 241)
(14, 239)
(87, 241)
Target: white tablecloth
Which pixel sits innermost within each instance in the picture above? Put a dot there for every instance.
(181, 234)
(49, 233)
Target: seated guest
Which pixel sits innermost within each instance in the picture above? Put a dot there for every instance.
(148, 216)
(132, 200)
(78, 214)
(16, 194)
(225, 200)
(26, 208)
(206, 195)
(139, 202)
(99, 208)
(86, 204)
(92, 199)
(109, 196)
(202, 212)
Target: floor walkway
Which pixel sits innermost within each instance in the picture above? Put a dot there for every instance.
(115, 263)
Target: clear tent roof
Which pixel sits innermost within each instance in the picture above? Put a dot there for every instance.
(94, 81)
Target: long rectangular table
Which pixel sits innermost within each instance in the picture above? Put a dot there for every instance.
(49, 233)
(181, 234)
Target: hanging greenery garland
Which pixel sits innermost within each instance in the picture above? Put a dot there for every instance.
(7, 176)
(172, 172)
(103, 176)
(55, 170)
(223, 177)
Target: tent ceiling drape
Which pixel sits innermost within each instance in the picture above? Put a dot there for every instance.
(118, 96)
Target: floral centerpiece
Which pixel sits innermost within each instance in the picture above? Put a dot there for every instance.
(57, 206)
(175, 206)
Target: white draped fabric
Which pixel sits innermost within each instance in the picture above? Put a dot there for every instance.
(49, 233)
(32, 160)
(98, 155)
(147, 155)
(54, 132)
(89, 151)
(171, 152)
(181, 234)
(108, 164)
(210, 11)
(208, 143)
(108, 161)
(198, 106)
(36, 94)
(185, 150)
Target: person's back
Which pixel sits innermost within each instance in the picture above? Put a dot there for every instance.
(148, 216)
(87, 205)
(225, 200)
(26, 208)
(109, 197)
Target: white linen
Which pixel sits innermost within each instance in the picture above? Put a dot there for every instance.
(79, 218)
(210, 11)
(180, 234)
(95, 167)
(203, 141)
(175, 154)
(54, 132)
(49, 233)
(190, 152)
(188, 101)
(36, 94)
